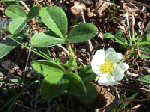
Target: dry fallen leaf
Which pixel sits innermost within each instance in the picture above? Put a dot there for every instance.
(78, 8)
(106, 95)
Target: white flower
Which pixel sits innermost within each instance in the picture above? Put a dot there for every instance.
(108, 66)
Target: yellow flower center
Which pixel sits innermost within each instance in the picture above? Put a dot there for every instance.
(107, 68)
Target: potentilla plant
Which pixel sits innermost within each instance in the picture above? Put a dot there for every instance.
(108, 66)
(59, 78)
(62, 78)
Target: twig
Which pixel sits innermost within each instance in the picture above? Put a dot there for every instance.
(25, 6)
(139, 3)
(28, 59)
(67, 52)
(90, 44)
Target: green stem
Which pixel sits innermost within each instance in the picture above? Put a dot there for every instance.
(73, 57)
(42, 55)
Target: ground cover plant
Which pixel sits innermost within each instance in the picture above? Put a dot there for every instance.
(74, 55)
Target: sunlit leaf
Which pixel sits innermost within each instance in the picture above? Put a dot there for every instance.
(18, 16)
(52, 72)
(55, 19)
(43, 40)
(16, 25)
(6, 46)
(15, 12)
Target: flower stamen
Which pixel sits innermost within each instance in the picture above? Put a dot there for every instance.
(108, 67)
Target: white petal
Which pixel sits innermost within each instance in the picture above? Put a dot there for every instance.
(98, 59)
(119, 71)
(113, 56)
(107, 80)
(96, 69)
(103, 80)
(119, 56)
(101, 75)
(118, 75)
(126, 66)
(112, 80)
(123, 67)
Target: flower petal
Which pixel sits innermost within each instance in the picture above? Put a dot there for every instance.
(125, 66)
(113, 56)
(107, 80)
(120, 56)
(119, 71)
(118, 75)
(98, 59)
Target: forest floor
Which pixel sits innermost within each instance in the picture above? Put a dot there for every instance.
(109, 16)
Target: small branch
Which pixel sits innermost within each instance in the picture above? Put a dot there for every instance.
(67, 52)
(27, 59)
(90, 43)
(22, 3)
(139, 3)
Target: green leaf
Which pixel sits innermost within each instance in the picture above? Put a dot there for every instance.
(86, 92)
(15, 12)
(87, 74)
(120, 38)
(49, 91)
(144, 43)
(76, 85)
(6, 46)
(145, 52)
(145, 79)
(43, 40)
(145, 56)
(18, 16)
(148, 36)
(90, 97)
(59, 17)
(72, 64)
(52, 72)
(8, 106)
(16, 25)
(55, 19)
(34, 12)
(82, 32)
(109, 35)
